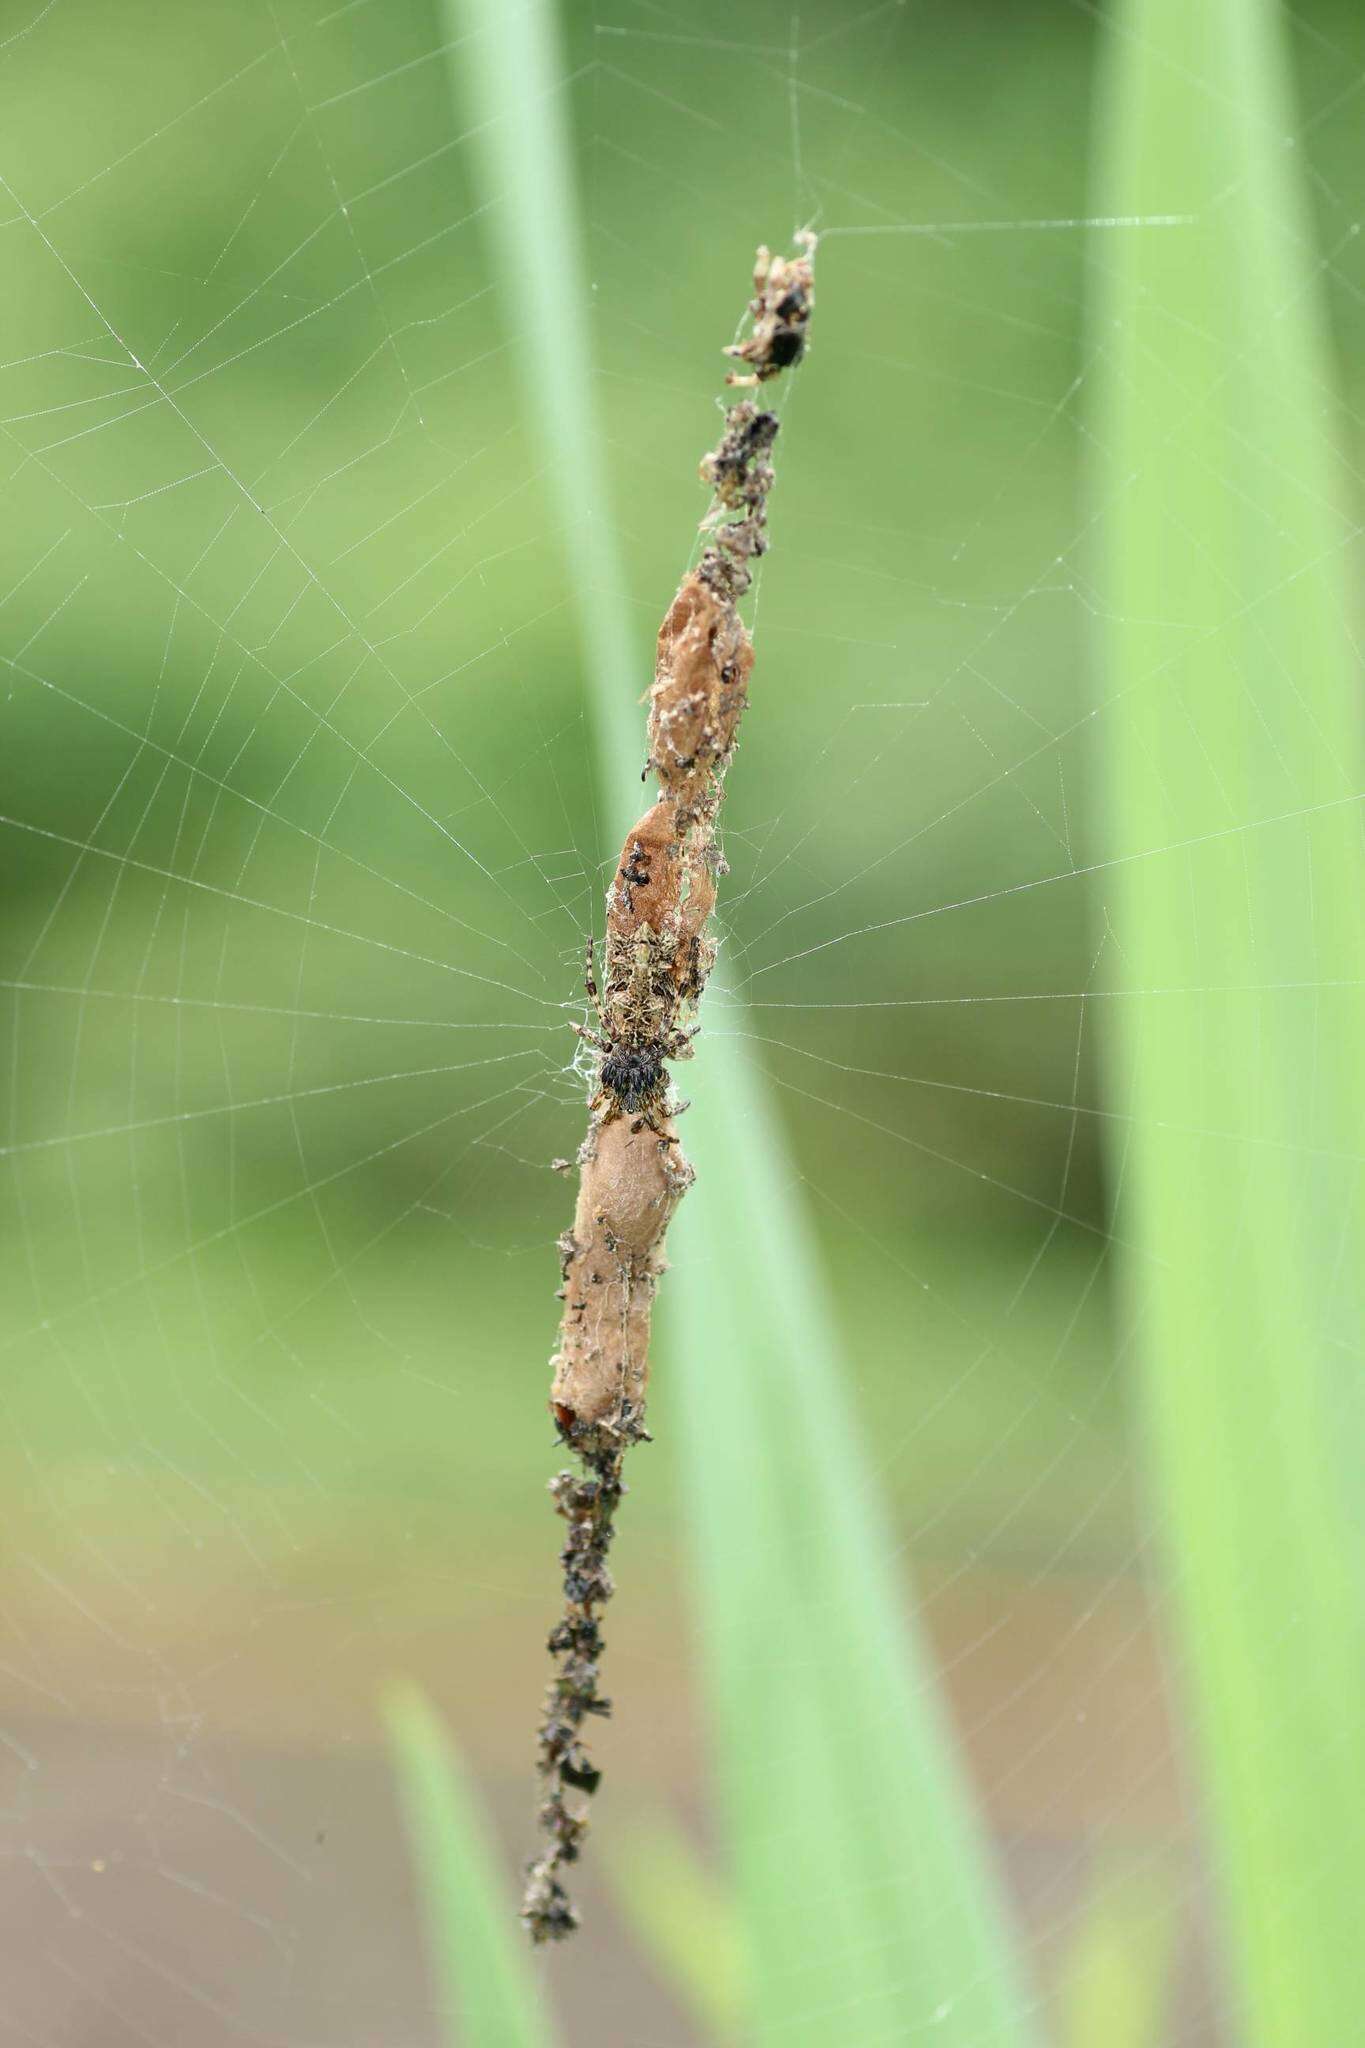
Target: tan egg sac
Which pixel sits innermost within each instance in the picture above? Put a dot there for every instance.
(663, 894)
(657, 961)
(700, 689)
(649, 880)
(630, 1186)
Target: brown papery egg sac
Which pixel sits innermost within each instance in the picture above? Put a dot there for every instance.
(700, 690)
(612, 1259)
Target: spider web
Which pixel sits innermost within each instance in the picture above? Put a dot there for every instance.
(301, 857)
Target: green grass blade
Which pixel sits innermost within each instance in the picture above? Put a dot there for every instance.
(684, 1919)
(1231, 816)
(869, 1908)
(1116, 1977)
(510, 85)
(480, 1964)
(869, 1912)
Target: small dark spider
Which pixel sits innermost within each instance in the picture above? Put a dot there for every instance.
(632, 1079)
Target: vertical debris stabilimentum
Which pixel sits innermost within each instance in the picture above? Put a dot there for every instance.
(632, 1172)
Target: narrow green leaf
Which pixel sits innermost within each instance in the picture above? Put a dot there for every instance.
(869, 1910)
(685, 1919)
(869, 1907)
(1231, 705)
(511, 87)
(480, 1965)
(1116, 1977)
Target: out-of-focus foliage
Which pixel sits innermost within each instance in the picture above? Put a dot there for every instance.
(304, 845)
(1231, 706)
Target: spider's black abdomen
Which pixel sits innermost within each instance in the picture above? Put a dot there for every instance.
(787, 346)
(632, 1074)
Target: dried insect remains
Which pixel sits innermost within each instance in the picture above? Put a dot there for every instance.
(781, 308)
(656, 959)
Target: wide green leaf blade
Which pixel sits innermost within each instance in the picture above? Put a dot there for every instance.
(1231, 719)
(870, 1908)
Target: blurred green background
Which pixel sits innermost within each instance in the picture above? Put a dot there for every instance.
(301, 850)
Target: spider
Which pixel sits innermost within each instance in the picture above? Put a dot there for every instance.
(632, 1079)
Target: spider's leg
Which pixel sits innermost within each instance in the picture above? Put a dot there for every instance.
(646, 1116)
(594, 993)
(605, 1101)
